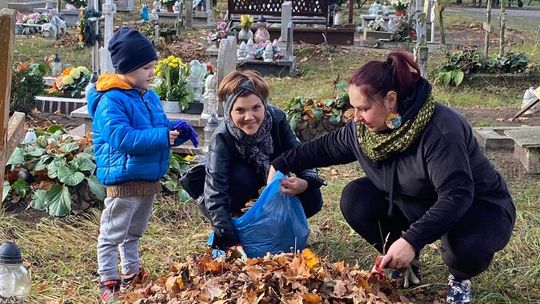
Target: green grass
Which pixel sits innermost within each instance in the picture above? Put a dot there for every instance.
(62, 252)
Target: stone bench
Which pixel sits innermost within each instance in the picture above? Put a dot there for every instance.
(527, 147)
(195, 120)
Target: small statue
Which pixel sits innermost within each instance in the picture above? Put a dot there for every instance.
(144, 12)
(250, 49)
(176, 7)
(49, 5)
(156, 6)
(375, 8)
(197, 72)
(268, 54)
(242, 51)
(262, 34)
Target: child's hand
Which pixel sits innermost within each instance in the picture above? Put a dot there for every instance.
(172, 137)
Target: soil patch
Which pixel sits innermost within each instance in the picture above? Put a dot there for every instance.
(480, 117)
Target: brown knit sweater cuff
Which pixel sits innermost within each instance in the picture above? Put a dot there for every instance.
(135, 188)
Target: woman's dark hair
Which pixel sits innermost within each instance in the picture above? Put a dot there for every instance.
(398, 73)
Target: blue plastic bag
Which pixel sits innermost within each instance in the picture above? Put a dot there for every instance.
(275, 223)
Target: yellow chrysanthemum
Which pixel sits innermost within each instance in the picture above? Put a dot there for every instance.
(67, 79)
(75, 74)
(83, 70)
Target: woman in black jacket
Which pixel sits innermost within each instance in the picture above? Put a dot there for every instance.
(426, 176)
(239, 156)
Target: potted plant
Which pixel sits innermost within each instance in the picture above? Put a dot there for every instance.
(71, 82)
(171, 84)
(400, 6)
(168, 4)
(245, 23)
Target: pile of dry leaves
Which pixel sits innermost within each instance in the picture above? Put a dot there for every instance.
(281, 278)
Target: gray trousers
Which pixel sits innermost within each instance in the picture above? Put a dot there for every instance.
(123, 222)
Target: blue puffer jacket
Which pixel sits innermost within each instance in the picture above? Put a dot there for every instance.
(131, 132)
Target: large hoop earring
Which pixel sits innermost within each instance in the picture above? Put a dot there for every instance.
(393, 120)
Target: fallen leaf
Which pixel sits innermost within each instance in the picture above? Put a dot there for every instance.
(311, 298)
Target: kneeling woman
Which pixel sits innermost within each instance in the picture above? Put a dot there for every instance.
(239, 156)
(425, 174)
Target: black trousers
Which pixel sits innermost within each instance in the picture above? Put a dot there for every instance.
(467, 249)
(244, 185)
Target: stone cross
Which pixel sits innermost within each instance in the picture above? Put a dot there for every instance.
(9, 128)
(289, 49)
(226, 62)
(286, 17)
(109, 9)
(189, 14)
(209, 13)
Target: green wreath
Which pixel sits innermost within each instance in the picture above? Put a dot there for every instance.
(86, 29)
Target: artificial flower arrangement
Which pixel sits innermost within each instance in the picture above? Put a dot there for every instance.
(399, 4)
(210, 69)
(246, 21)
(219, 33)
(171, 81)
(377, 25)
(35, 18)
(72, 81)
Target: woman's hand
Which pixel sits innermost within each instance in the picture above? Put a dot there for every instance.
(293, 185)
(271, 173)
(399, 255)
(172, 137)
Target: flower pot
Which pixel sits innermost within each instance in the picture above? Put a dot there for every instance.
(194, 108)
(170, 106)
(245, 34)
(170, 9)
(401, 12)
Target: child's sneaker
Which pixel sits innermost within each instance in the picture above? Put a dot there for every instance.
(134, 278)
(459, 292)
(109, 291)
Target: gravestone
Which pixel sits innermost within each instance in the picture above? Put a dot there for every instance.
(109, 9)
(124, 5)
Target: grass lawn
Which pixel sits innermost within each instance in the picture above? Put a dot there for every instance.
(62, 252)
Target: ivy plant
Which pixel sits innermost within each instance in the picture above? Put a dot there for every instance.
(336, 109)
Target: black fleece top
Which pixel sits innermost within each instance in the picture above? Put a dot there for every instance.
(434, 182)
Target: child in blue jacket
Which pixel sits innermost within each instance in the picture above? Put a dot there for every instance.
(132, 140)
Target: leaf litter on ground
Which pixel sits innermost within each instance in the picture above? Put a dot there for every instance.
(280, 278)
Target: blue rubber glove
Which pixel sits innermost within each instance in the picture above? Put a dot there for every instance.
(186, 133)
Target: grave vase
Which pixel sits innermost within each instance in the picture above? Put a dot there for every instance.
(245, 34)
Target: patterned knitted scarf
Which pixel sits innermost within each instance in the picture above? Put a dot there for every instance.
(381, 145)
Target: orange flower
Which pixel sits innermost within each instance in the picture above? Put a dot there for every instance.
(67, 71)
(23, 66)
(53, 89)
